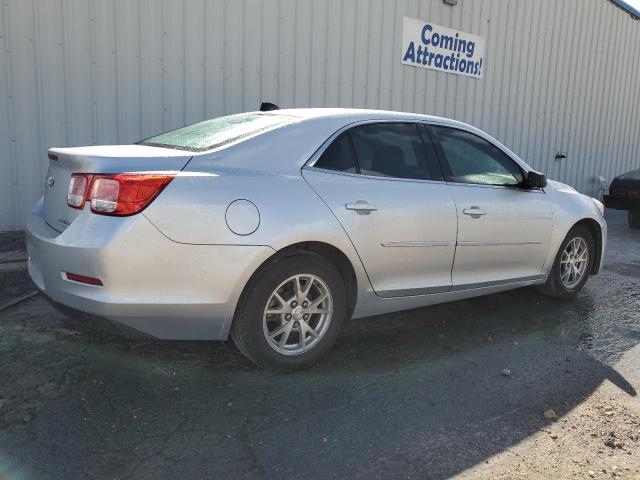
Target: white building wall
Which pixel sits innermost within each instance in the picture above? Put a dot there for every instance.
(560, 75)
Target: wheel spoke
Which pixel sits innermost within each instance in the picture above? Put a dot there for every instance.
(307, 289)
(315, 310)
(306, 328)
(280, 310)
(302, 340)
(317, 302)
(279, 330)
(285, 336)
(297, 288)
(279, 298)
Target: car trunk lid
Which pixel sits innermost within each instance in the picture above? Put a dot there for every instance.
(63, 162)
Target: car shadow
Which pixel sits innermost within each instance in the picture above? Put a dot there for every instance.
(419, 393)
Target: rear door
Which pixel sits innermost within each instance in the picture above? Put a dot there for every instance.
(504, 228)
(383, 183)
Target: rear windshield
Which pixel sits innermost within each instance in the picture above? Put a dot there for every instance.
(216, 132)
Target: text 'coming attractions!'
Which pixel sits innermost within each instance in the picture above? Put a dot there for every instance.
(432, 46)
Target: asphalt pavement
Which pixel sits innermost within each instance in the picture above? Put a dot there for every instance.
(428, 393)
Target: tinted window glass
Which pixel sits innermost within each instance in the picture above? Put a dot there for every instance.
(338, 156)
(474, 160)
(217, 132)
(431, 156)
(390, 150)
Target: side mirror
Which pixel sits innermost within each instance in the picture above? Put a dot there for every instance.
(536, 179)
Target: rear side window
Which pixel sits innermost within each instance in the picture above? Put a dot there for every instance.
(338, 156)
(217, 132)
(395, 150)
(390, 150)
(472, 159)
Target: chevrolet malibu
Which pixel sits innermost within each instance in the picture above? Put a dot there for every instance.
(276, 227)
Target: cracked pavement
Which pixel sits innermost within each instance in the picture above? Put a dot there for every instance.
(415, 394)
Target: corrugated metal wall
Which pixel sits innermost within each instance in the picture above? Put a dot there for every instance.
(559, 75)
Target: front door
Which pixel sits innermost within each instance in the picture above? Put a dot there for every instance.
(383, 183)
(504, 228)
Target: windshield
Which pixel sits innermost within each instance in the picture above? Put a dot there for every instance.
(216, 132)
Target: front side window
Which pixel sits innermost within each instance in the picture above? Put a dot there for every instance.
(472, 159)
(217, 132)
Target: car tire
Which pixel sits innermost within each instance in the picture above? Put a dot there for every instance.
(633, 217)
(558, 284)
(255, 331)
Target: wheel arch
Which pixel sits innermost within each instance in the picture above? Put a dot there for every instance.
(329, 252)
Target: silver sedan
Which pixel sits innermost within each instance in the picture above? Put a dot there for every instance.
(276, 227)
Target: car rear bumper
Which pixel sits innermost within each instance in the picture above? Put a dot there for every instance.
(622, 203)
(152, 284)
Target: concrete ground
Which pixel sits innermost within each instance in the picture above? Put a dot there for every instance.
(512, 385)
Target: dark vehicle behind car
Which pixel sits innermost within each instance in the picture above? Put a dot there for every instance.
(624, 194)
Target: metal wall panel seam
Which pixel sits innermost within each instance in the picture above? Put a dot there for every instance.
(582, 112)
(117, 71)
(530, 86)
(15, 207)
(601, 138)
(563, 135)
(634, 135)
(140, 73)
(569, 116)
(92, 50)
(628, 113)
(39, 96)
(612, 130)
(184, 62)
(596, 146)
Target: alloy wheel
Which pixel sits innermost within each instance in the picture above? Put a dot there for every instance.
(297, 314)
(574, 262)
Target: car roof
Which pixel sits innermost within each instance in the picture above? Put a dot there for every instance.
(356, 114)
(293, 140)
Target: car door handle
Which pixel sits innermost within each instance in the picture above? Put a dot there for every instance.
(474, 212)
(361, 206)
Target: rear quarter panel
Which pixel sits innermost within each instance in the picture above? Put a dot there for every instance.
(266, 171)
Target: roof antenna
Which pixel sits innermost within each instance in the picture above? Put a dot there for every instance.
(267, 106)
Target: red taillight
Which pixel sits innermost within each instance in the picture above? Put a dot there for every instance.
(74, 277)
(119, 194)
(78, 188)
(125, 193)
